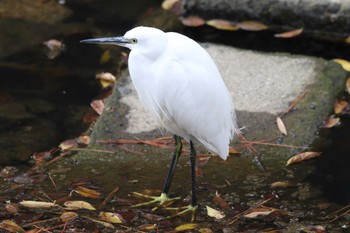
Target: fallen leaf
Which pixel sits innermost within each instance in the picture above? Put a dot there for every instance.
(98, 106)
(339, 106)
(106, 79)
(347, 40)
(290, 34)
(344, 63)
(105, 224)
(313, 229)
(111, 217)
(331, 121)
(153, 217)
(68, 144)
(74, 205)
(205, 230)
(348, 85)
(193, 21)
(233, 151)
(282, 184)
(84, 140)
(55, 48)
(11, 208)
(214, 213)
(86, 192)
(148, 227)
(67, 216)
(219, 200)
(168, 4)
(186, 226)
(53, 44)
(90, 117)
(281, 126)
(175, 6)
(251, 26)
(259, 212)
(222, 24)
(37, 204)
(323, 206)
(11, 226)
(105, 57)
(303, 156)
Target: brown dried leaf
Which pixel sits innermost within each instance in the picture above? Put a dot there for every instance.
(193, 21)
(11, 226)
(12, 208)
(84, 140)
(233, 151)
(303, 156)
(290, 34)
(214, 213)
(68, 144)
(54, 44)
(282, 184)
(222, 24)
(90, 117)
(219, 200)
(331, 122)
(281, 126)
(98, 106)
(67, 216)
(111, 217)
(313, 229)
(168, 4)
(37, 204)
(148, 227)
(251, 26)
(105, 224)
(263, 211)
(339, 106)
(74, 205)
(186, 227)
(205, 230)
(153, 217)
(106, 79)
(86, 192)
(347, 40)
(348, 85)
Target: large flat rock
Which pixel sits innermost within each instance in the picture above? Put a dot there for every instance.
(262, 85)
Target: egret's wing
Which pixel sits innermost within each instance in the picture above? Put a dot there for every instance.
(196, 102)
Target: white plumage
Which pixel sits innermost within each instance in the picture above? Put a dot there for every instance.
(179, 83)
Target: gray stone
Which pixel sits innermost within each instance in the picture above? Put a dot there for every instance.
(262, 86)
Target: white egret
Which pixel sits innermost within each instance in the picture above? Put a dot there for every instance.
(179, 83)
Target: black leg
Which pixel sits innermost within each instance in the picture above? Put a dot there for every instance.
(177, 153)
(193, 174)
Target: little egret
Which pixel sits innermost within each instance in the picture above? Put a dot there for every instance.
(179, 84)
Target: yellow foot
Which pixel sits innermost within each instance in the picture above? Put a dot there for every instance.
(163, 200)
(184, 210)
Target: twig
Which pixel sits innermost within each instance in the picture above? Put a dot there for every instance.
(297, 100)
(273, 144)
(94, 150)
(334, 216)
(237, 216)
(109, 197)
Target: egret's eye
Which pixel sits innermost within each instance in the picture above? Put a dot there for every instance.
(133, 41)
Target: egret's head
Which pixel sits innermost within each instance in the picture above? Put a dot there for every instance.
(147, 40)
